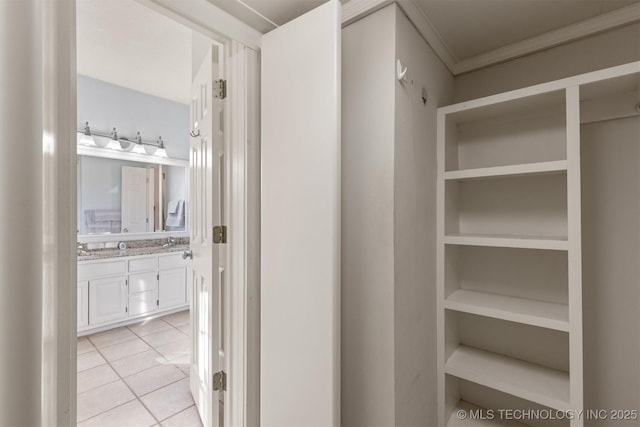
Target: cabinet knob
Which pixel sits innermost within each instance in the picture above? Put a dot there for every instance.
(187, 254)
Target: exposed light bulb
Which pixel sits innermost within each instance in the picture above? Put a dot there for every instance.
(85, 138)
(114, 144)
(161, 151)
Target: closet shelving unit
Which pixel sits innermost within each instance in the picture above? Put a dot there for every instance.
(509, 270)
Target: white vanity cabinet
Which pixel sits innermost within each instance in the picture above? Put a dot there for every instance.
(116, 291)
(107, 300)
(172, 281)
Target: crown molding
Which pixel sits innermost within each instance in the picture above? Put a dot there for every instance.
(357, 9)
(429, 32)
(604, 22)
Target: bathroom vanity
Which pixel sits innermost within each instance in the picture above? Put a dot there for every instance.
(122, 287)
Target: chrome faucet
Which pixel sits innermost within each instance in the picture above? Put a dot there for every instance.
(80, 250)
(171, 241)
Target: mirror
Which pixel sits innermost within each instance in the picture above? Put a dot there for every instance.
(118, 196)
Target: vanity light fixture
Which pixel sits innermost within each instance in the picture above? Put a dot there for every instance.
(113, 141)
(161, 151)
(114, 144)
(85, 138)
(138, 148)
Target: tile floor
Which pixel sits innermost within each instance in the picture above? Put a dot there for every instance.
(137, 375)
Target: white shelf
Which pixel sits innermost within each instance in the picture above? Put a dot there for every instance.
(539, 384)
(456, 421)
(510, 170)
(531, 312)
(508, 241)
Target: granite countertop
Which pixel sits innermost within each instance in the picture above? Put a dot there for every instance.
(92, 255)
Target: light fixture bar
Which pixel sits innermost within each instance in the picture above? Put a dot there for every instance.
(136, 144)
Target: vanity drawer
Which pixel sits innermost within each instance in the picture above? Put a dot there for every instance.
(89, 271)
(143, 264)
(171, 261)
(143, 282)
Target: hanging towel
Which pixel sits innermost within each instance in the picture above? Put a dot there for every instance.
(175, 218)
(172, 206)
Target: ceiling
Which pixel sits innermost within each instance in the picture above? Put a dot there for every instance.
(127, 44)
(472, 27)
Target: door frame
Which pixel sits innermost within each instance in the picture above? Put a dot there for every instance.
(241, 69)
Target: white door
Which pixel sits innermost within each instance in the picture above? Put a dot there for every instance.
(206, 269)
(134, 200)
(300, 221)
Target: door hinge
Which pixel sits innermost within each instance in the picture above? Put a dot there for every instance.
(126, 309)
(219, 89)
(126, 282)
(220, 381)
(158, 276)
(147, 220)
(220, 234)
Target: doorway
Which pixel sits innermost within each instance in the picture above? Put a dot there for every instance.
(137, 108)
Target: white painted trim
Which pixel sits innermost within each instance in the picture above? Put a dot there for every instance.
(126, 237)
(604, 22)
(429, 32)
(243, 243)
(574, 228)
(580, 79)
(59, 214)
(357, 9)
(207, 19)
(132, 157)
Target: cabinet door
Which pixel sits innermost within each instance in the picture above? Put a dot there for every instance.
(173, 287)
(107, 300)
(83, 304)
(143, 302)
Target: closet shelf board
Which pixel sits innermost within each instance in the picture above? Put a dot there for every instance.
(521, 310)
(539, 384)
(508, 241)
(557, 166)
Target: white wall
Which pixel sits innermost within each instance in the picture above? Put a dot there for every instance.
(611, 272)
(615, 47)
(415, 225)
(388, 222)
(368, 104)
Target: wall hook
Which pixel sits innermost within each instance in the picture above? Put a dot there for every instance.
(195, 134)
(401, 74)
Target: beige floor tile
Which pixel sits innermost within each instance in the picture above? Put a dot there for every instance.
(152, 379)
(95, 377)
(127, 348)
(169, 400)
(112, 337)
(103, 398)
(177, 319)
(85, 346)
(138, 362)
(182, 363)
(164, 337)
(186, 328)
(186, 418)
(89, 360)
(175, 349)
(132, 414)
(149, 327)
